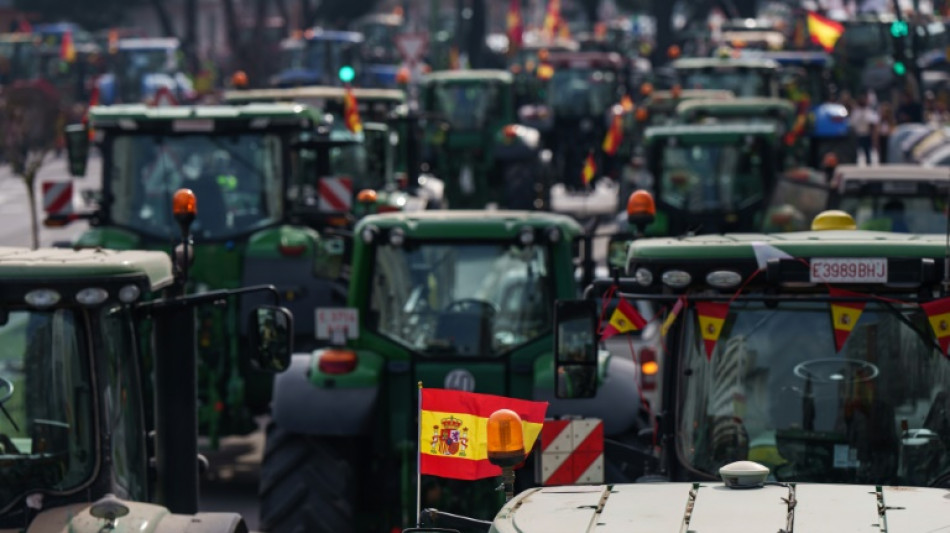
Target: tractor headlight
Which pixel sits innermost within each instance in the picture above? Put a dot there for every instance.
(92, 296)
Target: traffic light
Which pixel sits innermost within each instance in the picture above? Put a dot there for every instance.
(899, 29)
(347, 74)
(900, 68)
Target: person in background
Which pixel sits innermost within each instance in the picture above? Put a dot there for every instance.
(864, 121)
(883, 132)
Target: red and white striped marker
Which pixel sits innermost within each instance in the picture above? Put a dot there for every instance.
(164, 98)
(58, 198)
(572, 452)
(336, 194)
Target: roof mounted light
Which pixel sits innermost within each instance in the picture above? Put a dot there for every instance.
(554, 235)
(42, 298)
(92, 296)
(644, 277)
(397, 237)
(369, 234)
(526, 236)
(676, 279)
(723, 279)
(129, 294)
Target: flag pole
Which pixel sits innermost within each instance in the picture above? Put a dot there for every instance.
(419, 459)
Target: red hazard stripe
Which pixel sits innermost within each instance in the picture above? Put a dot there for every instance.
(58, 203)
(329, 195)
(551, 430)
(580, 459)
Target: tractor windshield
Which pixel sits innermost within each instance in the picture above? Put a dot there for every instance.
(776, 391)
(582, 93)
(18, 61)
(713, 177)
(237, 179)
(461, 299)
(468, 106)
(903, 214)
(47, 405)
(741, 81)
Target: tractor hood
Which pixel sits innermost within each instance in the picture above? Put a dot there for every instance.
(714, 508)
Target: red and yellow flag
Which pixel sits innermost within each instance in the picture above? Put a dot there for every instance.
(67, 51)
(823, 31)
(844, 315)
(624, 319)
(113, 41)
(938, 313)
(453, 441)
(552, 19)
(590, 168)
(712, 315)
(626, 103)
(515, 26)
(351, 112)
(614, 134)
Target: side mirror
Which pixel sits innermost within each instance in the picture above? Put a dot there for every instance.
(575, 349)
(77, 148)
(617, 250)
(271, 336)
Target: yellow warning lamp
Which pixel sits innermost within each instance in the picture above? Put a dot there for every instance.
(239, 79)
(506, 445)
(642, 114)
(673, 52)
(402, 75)
(676, 91)
(833, 219)
(650, 368)
(829, 161)
(184, 206)
(543, 54)
(646, 89)
(367, 196)
(545, 71)
(641, 209)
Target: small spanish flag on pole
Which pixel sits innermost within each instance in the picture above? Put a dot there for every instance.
(824, 31)
(938, 313)
(351, 112)
(844, 315)
(615, 133)
(712, 315)
(590, 168)
(624, 319)
(453, 431)
(67, 51)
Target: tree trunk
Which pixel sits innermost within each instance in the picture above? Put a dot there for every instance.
(306, 14)
(30, 183)
(238, 59)
(663, 12)
(168, 30)
(191, 35)
(591, 7)
(258, 52)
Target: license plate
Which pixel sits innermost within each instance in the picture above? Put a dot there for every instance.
(849, 270)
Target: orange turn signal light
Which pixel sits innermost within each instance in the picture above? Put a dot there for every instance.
(642, 114)
(184, 203)
(366, 196)
(830, 160)
(641, 203)
(510, 131)
(336, 361)
(646, 89)
(673, 52)
(650, 368)
(505, 438)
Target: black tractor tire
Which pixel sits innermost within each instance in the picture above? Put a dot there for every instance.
(519, 189)
(308, 484)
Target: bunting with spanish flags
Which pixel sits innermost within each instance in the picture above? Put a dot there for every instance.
(671, 318)
(624, 319)
(515, 26)
(453, 438)
(844, 315)
(712, 316)
(67, 50)
(614, 135)
(351, 112)
(824, 31)
(590, 169)
(938, 314)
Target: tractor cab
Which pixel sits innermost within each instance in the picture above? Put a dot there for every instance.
(741, 76)
(316, 57)
(141, 68)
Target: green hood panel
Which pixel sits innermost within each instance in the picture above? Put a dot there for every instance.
(266, 244)
(109, 237)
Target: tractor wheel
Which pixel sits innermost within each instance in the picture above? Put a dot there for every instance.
(519, 187)
(308, 484)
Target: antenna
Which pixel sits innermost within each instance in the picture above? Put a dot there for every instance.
(946, 256)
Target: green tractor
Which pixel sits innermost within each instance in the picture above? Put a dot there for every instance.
(454, 299)
(238, 161)
(473, 143)
(86, 335)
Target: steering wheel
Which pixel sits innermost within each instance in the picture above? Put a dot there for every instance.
(836, 371)
(6, 386)
(466, 304)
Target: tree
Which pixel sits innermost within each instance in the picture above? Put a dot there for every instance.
(30, 115)
(89, 14)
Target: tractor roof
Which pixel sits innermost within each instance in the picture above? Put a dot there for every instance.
(148, 43)
(890, 173)
(68, 265)
(301, 94)
(470, 224)
(724, 62)
(792, 57)
(664, 97)
(735, 106)
(207, 118)
(586, 60)
(699, 132)
(502, 76)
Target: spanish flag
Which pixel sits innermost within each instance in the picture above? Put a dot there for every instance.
(515, 26)
(938, 313)
(823, 31)
(844, 315)
(552, 19)
(614, 134)
(351, 112)
(624, 319)
(626, 103)
(67, 51)
(453, 441)
(590, 168)
(113, 41)
(712, 315)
